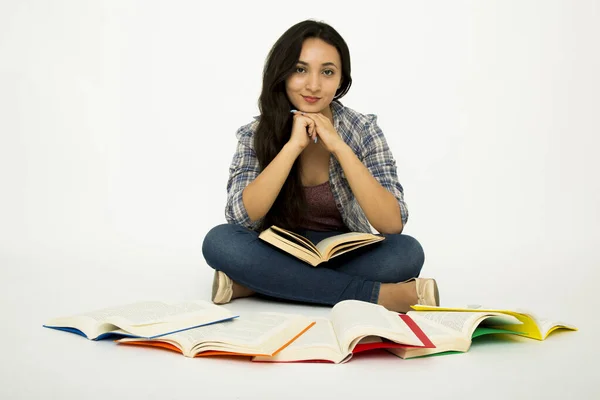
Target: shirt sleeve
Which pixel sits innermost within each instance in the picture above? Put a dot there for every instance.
(244, 168)
(381, 163)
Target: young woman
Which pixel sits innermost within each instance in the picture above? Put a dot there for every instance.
(314, 166)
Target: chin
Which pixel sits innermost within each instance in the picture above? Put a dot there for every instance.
(313, 108)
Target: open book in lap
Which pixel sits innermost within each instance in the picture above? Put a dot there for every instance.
(260, 333)
(142, 319)
(353, 326)
(452, 329)
(314, 254)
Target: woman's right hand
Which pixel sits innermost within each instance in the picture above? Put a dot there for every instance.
(303, 130)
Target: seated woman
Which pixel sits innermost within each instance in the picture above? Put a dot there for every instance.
(312, 165)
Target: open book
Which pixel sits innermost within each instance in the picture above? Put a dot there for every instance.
(312, 253)
(252, 334)
(142, 319)
(452, 329)
(353, 326)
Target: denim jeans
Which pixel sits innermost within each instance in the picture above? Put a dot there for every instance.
(358, 274)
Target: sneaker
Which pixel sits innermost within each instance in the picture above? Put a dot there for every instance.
(427, 292)
(222, 288)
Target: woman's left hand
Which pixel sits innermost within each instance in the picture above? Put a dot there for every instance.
(328, 136)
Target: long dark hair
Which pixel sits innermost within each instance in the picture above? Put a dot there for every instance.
(275, 124)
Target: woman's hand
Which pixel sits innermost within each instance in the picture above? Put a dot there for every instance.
(328, 136)
(303, 131)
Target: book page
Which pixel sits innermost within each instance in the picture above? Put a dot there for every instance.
(318, 343)
(152, 312)
(325, 245)
(448, 331)
(294, 237)
(253, 332)
(245, 330)
(523, 321)
(444, 338)
(338, 250)
(547, 326)
(353, 320)
(436, 331)
(295, 249)
(144, 318)
(320, 335)
(462, 323)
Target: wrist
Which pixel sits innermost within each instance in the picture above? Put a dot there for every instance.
(292, 149)
(340, 149)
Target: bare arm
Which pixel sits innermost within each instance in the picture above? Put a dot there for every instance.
(260, 194)
(373, 181)
(380, 206)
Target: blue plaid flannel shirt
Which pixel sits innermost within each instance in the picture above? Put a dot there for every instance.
(365, 138)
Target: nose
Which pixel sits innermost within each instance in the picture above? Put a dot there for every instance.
(313, 82)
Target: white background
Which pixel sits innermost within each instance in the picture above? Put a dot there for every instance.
(117, 127)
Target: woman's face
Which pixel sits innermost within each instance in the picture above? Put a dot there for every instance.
(318, 74)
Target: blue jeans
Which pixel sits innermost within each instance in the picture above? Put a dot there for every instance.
(358, 274)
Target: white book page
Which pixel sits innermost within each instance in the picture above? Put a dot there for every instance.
(257, 332)
(151, 312)
(319, 335)
(353, 320)
(547, 325)
(317, 343)
(435, 329)
(443, 338)
(90, 328)
(437, 333)
(247, 331)
(158, 318)
(145, 318)
(446, 330)
(459, 324)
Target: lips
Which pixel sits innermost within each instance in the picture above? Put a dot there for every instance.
(310, 99)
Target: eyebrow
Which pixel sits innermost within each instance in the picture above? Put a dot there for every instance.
(326, 64)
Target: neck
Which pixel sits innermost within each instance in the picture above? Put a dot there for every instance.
(328, 113)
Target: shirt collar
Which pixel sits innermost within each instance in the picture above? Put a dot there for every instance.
(337, 109)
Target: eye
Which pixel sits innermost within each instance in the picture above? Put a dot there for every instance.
(328, 72)
(300, 70)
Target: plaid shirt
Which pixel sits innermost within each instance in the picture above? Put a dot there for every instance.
(365, 139)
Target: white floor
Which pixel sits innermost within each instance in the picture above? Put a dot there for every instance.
(42, 363)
